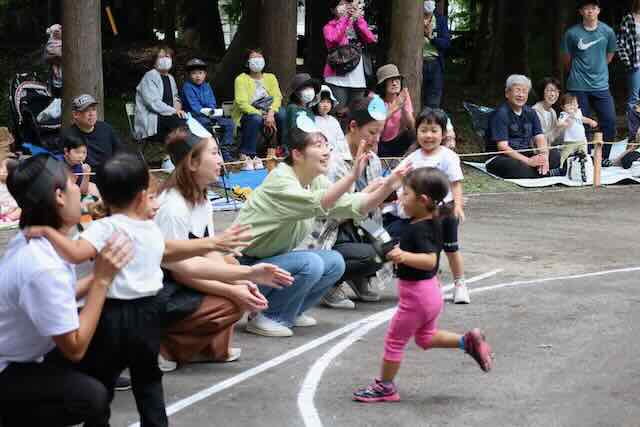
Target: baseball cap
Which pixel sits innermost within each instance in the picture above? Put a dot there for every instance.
(196, 64)
(583, 3)
(82, 102)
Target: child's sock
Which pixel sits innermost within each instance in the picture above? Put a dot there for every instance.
(461, 343)
(459, 280)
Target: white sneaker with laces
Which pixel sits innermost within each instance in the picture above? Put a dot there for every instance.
(257, 163)
(461, 294)
(248, 162)
(262, 325)
(304, 321)
(166, 365)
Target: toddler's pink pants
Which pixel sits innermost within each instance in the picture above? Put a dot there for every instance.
(417, 316)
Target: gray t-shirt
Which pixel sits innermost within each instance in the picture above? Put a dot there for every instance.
(588, 50)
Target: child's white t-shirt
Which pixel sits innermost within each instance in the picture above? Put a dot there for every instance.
(142, 276)
(37, 300)
(178, 220)
(444, 159)
(575, 131)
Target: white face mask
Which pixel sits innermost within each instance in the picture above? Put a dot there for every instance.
(429, 6)
(256, 65)
(164, 63)
(307, 95)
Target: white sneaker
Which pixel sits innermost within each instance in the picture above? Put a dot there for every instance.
(248, 162)
(262, 325)
(168, 165)
(257, 163)
(304, 321)
(166, 365)
(461, 294)
(336, 298)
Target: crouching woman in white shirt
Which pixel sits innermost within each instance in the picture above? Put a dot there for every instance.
(41, 330)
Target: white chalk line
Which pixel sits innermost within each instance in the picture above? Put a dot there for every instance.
(243, 376)
(310, 384)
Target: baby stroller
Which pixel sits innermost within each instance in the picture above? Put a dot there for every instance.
(28, 97)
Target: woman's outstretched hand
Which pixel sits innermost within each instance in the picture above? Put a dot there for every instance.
(233, 239)
(270, 275)
(395, 178)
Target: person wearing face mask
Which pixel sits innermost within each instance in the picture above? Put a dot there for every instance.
(303, 91)
(257, 108)
(436, 42)
(400, 125)
(158, 106)
(348, 27)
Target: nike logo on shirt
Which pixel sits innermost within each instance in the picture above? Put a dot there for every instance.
(584, 46)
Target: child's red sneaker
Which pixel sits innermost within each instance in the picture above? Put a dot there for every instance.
(377, 391)
(476, 347)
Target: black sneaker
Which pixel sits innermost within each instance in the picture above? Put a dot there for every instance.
(557, 172)
(123, 384)
(607, 163)
(363, 291)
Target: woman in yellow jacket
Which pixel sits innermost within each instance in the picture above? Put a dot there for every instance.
(256, 107)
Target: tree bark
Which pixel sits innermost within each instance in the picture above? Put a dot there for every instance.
(480, 53)
(516, 44)
(560, 18)
(405, 44)
(203, 27)
(81, 54)
(497, 44)
(169, 21)
(317, 15)
(279, 39)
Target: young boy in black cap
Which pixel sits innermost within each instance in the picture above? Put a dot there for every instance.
(199, 100)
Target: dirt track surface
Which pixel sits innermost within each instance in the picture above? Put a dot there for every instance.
(565, 348)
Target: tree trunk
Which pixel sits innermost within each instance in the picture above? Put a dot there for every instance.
(317, 14)
(480, 53)
(517, 41)
(81, 54)
(497, 44)
(271, 26)
(405, 44)
(279, 39)
(169, 20)
(203, 27)
(560, 17)
(233, 61)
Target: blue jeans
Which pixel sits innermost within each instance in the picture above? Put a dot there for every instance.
(602, 102)
(250, 126)
(432, 83)
(633, 80)
(314, 272)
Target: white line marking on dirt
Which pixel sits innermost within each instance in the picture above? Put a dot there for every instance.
(308, 389)
(243, 376)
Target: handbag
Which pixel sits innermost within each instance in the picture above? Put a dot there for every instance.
(344, 59)
(263, 103)
(580, 168)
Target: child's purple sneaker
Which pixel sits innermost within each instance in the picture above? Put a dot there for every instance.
(476, 347)
(377, 391)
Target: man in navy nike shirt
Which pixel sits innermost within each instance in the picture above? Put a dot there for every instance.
(588, 48)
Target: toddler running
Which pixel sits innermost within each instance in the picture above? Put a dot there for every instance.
(420, 304)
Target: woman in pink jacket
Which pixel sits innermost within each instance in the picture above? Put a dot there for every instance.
(348, 27)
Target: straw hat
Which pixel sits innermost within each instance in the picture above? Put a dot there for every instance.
(387, 72)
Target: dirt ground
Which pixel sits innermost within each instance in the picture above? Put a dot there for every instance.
(558, 300)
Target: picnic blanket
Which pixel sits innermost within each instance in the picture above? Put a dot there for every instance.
(611, 175)
(220, 203)
(242, 179)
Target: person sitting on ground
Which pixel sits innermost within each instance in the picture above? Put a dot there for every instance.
(257, 107)
(53, 57)
(304, 91)
(399, 127)
(631, 154)
(44, 335)
(515, 126)
(217, 292)
(200, 101)
(9, 209)
(158, 106)
(74, 155)
(574, 131)
(281, 212)
(100, 138)
(553, 130)
(348, 27)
